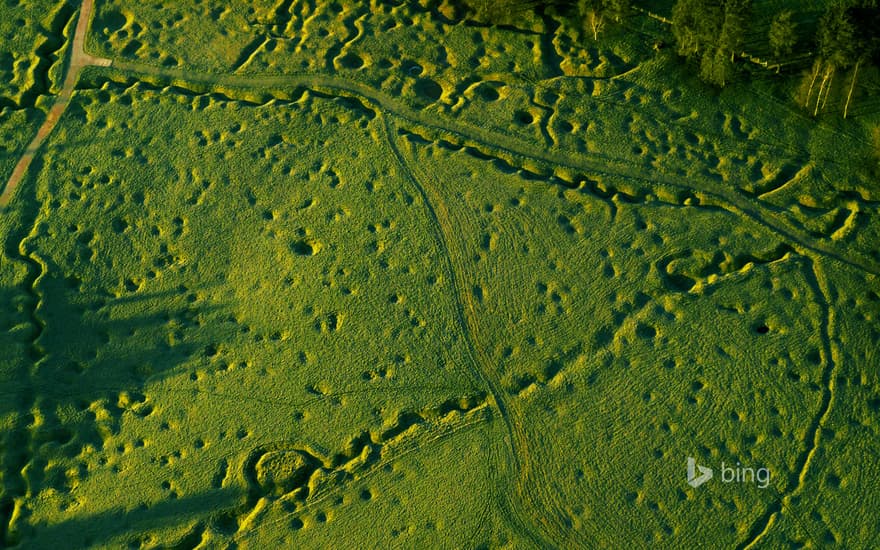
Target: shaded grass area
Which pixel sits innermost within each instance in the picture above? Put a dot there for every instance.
(181, 303)
(32, 35)
(17, 128)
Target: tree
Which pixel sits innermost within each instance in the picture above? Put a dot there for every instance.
(696, 24)
(716, 67)
(866, 20)
(498, 12)
(782, 35)
(713, 31)
(687, 17)
(594, 13)
(852, 86)
(838, 48)
(595, 20)
(617, 9)
(733, 27)
(837, 35)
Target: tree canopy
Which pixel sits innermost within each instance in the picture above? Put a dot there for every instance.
(783, 34)
(711, 31)
(695, 24)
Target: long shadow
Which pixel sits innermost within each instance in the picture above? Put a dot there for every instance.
(89, 360)
(101, 529)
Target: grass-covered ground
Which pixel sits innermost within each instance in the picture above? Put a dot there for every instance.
(308, 276)
(32, 34)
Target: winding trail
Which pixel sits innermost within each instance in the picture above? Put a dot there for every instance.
(588, 163)
(78, 59)
(480, 365)
(831, 358)
(730, 200)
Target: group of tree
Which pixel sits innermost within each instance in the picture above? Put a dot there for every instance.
(711, 32)
(498, 12)
(848, 37)
(782, 36)
(501, 12)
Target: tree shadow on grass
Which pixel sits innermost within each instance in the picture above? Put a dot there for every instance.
(86, 364)
(183, 521)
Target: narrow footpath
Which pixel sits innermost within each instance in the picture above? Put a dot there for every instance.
(78, 59)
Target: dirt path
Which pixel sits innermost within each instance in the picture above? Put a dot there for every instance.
(481, 137)
(495, 142)
(78, 59)
(517, 462)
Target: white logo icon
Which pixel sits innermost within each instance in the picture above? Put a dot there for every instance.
(694, 480)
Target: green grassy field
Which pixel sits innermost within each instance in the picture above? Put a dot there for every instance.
(304, 276)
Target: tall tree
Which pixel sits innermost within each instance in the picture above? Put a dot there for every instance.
(713, 31)
(595, 21)
(716, 67)
(733, 27)
(617, 9)
(498, 11)
(866, 20)
(782, 35)
(695, 24)
(595, 13)
(838, 47)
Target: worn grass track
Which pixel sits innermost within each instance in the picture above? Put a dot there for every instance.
(78, 60)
